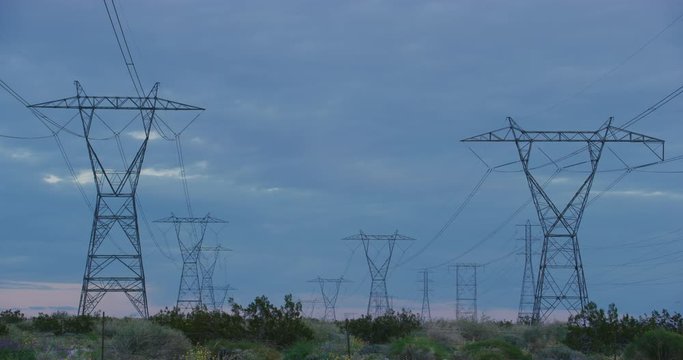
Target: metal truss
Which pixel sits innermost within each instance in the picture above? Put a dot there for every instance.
(466, 291)
(207, 270)
(119, 271)
(329, 297)
(561, 281)
(425, 312)
(378, 302)
(190, 289)
(527, 297)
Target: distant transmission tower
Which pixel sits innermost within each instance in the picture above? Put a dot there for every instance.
(190, 242)
(466, 291)
(207, 269)
(378, 302)
(330, 295)
(426, 312)
(526, 301)
(311, 303)
(561, 280)
(117, 266)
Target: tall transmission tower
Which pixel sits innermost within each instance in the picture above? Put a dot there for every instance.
(561, 281)
(311, 303)
(466, 291)
(526, 300)
(378, 302)
(113, 269)
(330, 295)
(190, 243)
(426, 312)
(207, 268)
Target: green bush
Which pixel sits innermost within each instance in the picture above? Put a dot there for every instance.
(383, 328)
(142, 339)
(48, 323)
(259, 321)
(419, 348)
(4, 329)
(656, 344)
(559, 352)
(61, 323)
(11, 316)
(493, 349)
(23, 354)
(300, 350)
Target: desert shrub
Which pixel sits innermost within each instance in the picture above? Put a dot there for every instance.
(656, 344)
(48, 323)
(559, 352)
(242, 350)
(259, 321)
(300, 350)
(201, 326)
(475, 331)
(60, 323)
(22, 354)
(492, 349)
(4, 329)
(383, 328)
(11, 316)
(281, 326)
(419, 347)
(142, 339)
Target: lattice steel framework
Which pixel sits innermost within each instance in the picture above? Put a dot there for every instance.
(561, 280)
(466, 291)
(190, 289)
(527, 297)
(425, 312)
(330, 295)
(378, 302)
(120, 271)
(207, 268)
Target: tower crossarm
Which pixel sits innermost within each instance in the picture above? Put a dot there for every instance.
(606, 134)
(193, 220)
(115, 103)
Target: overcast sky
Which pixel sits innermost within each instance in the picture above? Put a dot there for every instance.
(327, 117)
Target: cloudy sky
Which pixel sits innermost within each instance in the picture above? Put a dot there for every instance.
(325, 118)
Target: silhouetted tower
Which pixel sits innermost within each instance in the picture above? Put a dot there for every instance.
(220, 303)
(426, 312)
(378, 302)
(561, 280)
(526, 301)
(311, 303)
(114, 262)
(466, 291)
(329, 288)
(190, 242)
(207, 267)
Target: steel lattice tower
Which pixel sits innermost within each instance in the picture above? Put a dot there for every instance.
(329, 297)
(207, 270)
(526, 300)
(109, 271)
(466, 291)
(426, 312)
(378, 302)
(561, 280)
(190, 288)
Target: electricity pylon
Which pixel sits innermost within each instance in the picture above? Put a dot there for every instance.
(378, 302)
(330, 295)
(526, 300)
(312, 303)
(466, 291)
(207, 268)
(426, 312)
(561, 280)
(190, 243)
(112, 268)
